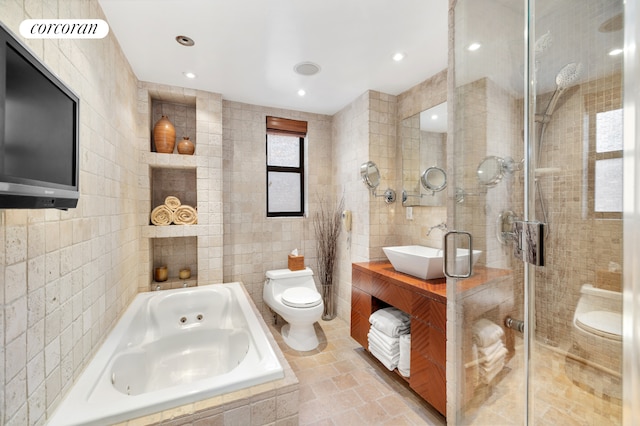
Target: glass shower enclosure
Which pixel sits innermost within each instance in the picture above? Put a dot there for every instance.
(537, 169)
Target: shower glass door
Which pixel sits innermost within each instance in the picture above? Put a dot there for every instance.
(537, 167)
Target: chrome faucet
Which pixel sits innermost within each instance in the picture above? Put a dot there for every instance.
(441, 226)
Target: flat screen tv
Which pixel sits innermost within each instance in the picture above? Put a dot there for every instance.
(39, 132)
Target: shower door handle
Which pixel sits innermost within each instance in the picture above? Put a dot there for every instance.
(529, 242)
(446, 254)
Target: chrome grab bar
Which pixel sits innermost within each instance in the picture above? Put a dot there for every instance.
(446, 251)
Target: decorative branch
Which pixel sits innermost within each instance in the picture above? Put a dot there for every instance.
(326, 223)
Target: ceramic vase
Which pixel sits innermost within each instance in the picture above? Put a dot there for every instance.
(164, 135)
(186, 147)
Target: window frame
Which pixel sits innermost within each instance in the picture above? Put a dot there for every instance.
(594, 156)
(293, 128)
(283, 169)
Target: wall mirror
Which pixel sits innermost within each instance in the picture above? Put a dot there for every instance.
(434, 179)
(370, 175)
(424, 143)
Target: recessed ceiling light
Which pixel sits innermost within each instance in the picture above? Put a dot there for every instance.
(615, 52)
(301, 92)
(307, 68)
(185, 41)
(473, 47)
(189, 74)
(399, 56)
(434, 117)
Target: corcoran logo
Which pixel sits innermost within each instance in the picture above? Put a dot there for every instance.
(64, 28)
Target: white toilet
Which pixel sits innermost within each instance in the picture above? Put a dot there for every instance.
(594, 360)
(599, 314)
(293, 296)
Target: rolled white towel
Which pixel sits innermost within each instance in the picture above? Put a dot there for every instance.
(391, 321)
(486, 332)
(404, 362)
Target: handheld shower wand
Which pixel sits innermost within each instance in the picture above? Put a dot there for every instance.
(567, 76)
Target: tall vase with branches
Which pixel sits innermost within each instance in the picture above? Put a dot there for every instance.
(326, 223)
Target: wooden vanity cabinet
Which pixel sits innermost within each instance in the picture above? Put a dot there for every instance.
(376, 285)
(429, 351)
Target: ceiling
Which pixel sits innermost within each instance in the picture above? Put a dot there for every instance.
(247, 49)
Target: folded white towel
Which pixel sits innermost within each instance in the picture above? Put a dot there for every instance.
(391, 349)
(383, 339)
(390, 363)
(487, 375)
(391, 321)
(497, 357)
(389, 354)
(488, 350)
(391, 357)
(404, 362)
(486, 333)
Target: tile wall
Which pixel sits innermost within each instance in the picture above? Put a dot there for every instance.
(67, 276)
(350, 141)
(254, 243)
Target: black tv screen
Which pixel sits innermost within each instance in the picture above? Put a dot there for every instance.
(38, 131)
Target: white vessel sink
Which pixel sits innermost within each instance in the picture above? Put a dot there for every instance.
(425, 262)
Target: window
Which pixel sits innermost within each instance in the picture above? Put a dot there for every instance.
(285, 167)
(608, 164)
(603, 121)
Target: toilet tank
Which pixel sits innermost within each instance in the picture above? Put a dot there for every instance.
(285, 278)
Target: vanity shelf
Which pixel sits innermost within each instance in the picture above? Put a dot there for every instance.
(376, 285)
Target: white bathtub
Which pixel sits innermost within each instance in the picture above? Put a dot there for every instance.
(171, 348)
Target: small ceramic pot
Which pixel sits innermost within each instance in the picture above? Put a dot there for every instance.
(186, 147)
(161, 274)
(184, 273)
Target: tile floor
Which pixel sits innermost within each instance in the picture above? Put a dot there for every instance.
(342, 384)
(557, 400)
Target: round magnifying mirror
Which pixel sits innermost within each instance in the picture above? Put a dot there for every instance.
(370, 174)
(490, 171)
(434, 179)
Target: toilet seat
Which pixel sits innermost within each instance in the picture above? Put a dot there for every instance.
(601, 323)
(301, 297)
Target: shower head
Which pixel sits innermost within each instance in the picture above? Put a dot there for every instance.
(569, 74)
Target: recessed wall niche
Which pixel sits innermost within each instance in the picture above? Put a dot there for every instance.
(182, 116)
(176, 253)
(177, 182)
(195, 180)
